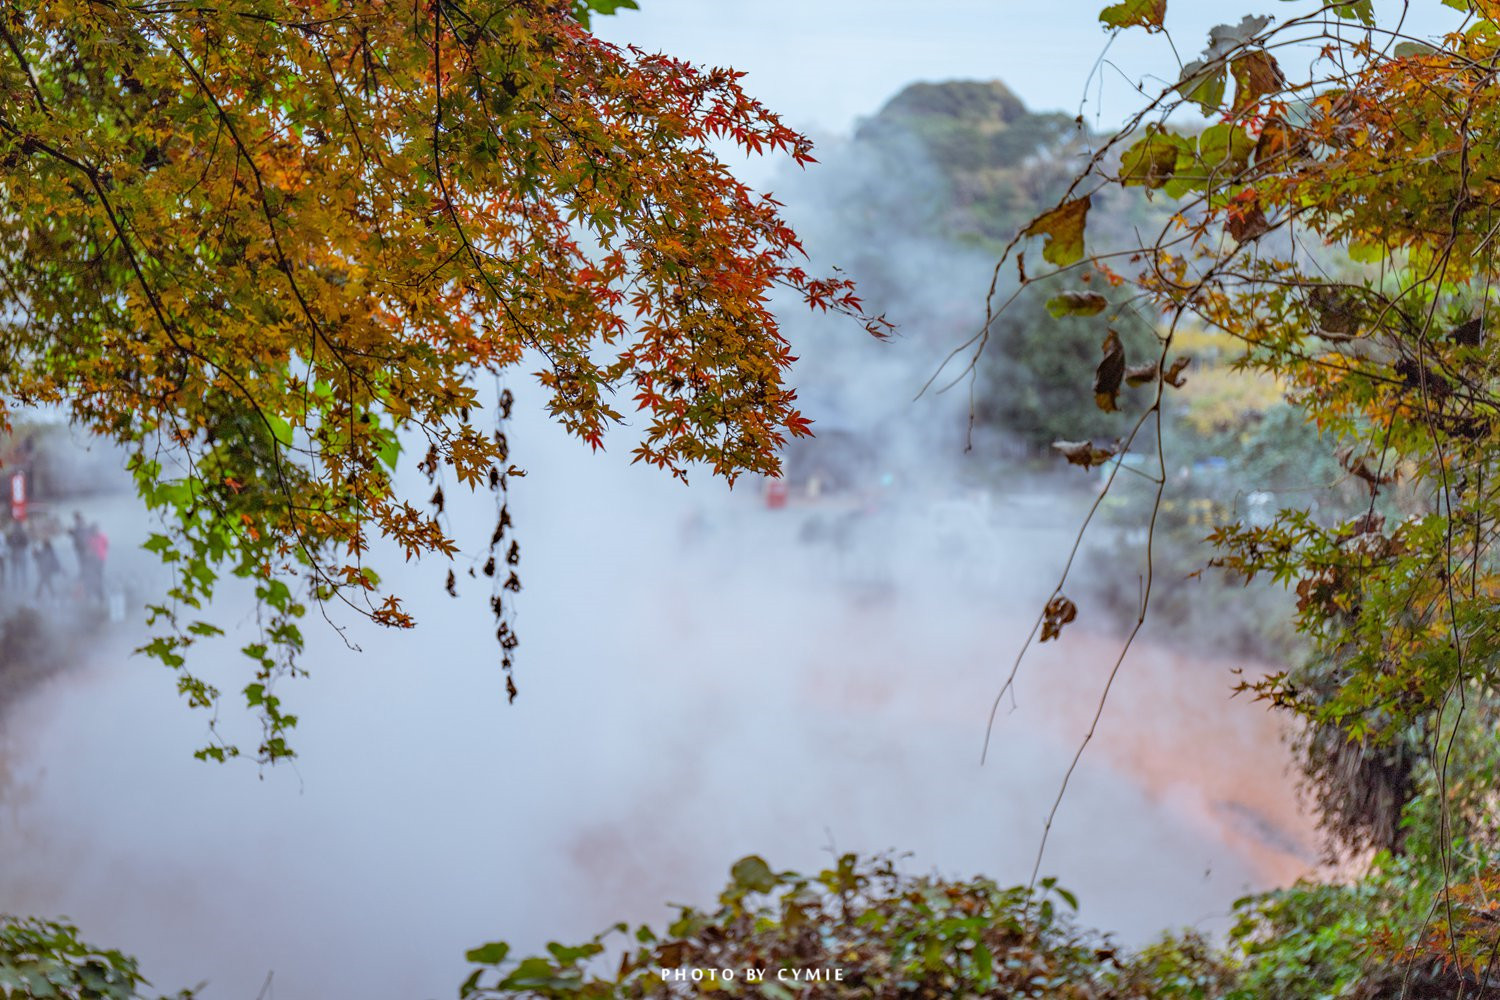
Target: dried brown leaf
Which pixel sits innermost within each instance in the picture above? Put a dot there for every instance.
(1110, 373)
(1059, 612)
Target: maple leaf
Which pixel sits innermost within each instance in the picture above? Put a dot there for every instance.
(285, 280)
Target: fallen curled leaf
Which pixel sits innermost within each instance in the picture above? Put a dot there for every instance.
(1059, 612)
(1084, 453)
(1149, 372)
(1173, 377)
(1110, 373)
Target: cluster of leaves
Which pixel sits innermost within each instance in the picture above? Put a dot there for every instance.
(886, 933)
(1393, 359)
(1340, 229)
(1402, 929)
(1393, 932)
(265, 246)
(902, 936)
(45, 959)
(1034, 371)
(896, 935)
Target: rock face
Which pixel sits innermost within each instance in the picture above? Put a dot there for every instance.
(968, 100)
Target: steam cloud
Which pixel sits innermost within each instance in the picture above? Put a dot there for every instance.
(701, 677)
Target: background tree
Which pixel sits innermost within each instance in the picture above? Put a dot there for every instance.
(1339, 225)
(268, 246)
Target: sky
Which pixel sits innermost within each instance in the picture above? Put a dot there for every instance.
(824, 64)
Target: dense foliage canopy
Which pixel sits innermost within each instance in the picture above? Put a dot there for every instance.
(1336, 218)
(269, 245)
(1362, 289)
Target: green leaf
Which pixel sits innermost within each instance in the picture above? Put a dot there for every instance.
(1063, 228)
(537, 974)
(1077, 304)
(1405, 50)
(1361, 10)
(488, 954)
(1148, 14)
(1152, 160)
(572, 955)
(583, 10)
(280, 429)
(984, 965)
(1224, 152)
(389, 451)
(753, 874)
(1203, 84)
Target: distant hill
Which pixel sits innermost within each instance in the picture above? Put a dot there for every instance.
(1001, 162)
(917, 206)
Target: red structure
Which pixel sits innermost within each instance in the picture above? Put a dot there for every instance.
(18, 495)
(776, 493)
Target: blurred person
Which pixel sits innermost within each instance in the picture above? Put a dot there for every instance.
(48, 566)
(79, 533)
(19, 543)
(98, 552)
